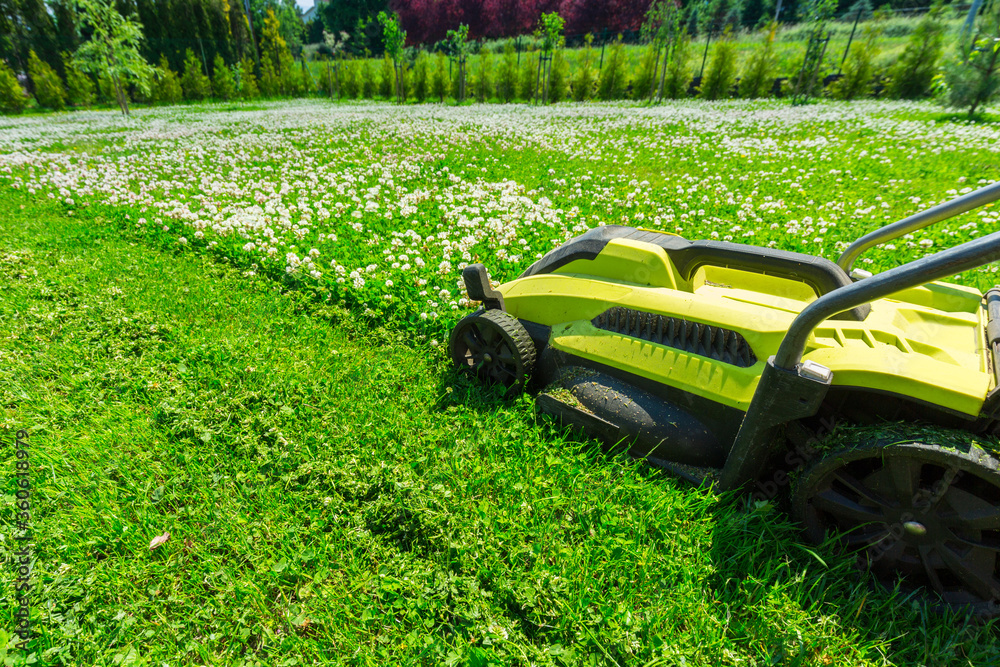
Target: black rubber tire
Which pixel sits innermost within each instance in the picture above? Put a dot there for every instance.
(495, 347)
(927, 513)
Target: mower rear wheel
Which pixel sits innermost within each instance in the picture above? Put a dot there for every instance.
(922, 513)
(495, 347)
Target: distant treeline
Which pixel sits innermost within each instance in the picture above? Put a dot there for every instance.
(427, 21)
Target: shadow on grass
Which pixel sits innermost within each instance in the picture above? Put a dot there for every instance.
(977, 119)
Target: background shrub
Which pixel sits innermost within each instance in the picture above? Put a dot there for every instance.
(248, 88)
(678, 76)
(386, 78)
(80, 89)
(439, 84)
(12, 97)
(166, 88)
(612, 82)
(527, 78)
(583, 82)
(223, 86)
(368, 83)
(194, 82)
(721, 72)
(642, 84)
(914, 72)
(349, 82)
(49, 91)
(421, 81)
(507, 73)
(558, 78)
(859, 67)
(270, 82)
(973, 79)
(758, 76)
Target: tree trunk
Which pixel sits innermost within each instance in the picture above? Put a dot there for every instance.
(120, 95)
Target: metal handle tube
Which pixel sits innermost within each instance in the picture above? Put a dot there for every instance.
(993, 329)
(942, 264)
(949, 209)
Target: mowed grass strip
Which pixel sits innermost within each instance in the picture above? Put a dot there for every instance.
(335, 494)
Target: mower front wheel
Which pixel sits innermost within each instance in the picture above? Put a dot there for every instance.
(495, 347)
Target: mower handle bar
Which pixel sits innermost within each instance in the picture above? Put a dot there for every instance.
(966, 202)
(968, 255)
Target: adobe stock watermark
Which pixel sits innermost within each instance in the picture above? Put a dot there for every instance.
(23, 555)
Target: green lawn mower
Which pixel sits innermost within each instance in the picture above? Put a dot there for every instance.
(730, 364)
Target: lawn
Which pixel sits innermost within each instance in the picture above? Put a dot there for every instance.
(224, 324)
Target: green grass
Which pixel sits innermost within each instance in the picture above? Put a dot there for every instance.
(334, 494)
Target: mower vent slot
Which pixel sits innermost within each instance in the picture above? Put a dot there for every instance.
(694, 337)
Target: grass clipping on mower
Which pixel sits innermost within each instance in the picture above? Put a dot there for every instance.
(846, 437)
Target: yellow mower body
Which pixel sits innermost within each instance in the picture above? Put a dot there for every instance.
(926, 343)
